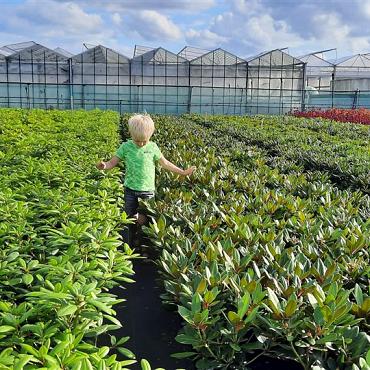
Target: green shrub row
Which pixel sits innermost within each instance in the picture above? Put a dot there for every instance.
(260, 262)
(61, 251)
(339, 149)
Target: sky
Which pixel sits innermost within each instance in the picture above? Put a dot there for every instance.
(242, 27)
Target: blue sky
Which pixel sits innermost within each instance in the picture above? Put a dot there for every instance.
(244, 27)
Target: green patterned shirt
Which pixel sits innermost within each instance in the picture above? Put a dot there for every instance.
(140, 164)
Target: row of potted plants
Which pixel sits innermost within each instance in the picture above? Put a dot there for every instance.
(360, 115)
(259, 261)
(61, 251)
(339, 150)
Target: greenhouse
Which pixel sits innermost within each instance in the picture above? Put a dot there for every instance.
(275, 82)
(159, 81)
(343, 82)
(193, 80)
(100, 78)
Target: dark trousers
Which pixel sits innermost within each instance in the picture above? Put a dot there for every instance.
(131, 207)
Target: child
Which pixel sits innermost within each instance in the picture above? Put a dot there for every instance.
(140, 156)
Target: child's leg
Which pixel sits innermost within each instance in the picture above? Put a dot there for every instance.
(144, 195)
(131, 205)
(142, 219)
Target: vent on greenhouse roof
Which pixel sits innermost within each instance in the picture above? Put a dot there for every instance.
(5, 52)
(159, 56)
(275, 57)
(191, 52)
(89, 46)
(140, 50)
(217, 57)
(357, 61)
(63, 52)
(313, 60)
(100, 54)
(14, 48)
(37, 52)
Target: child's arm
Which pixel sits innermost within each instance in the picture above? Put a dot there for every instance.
(108, 165)
(167, 165)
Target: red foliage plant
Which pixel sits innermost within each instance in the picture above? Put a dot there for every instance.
(360, 115)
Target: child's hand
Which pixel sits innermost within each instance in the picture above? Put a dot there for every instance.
(101, 165)
(189, 171)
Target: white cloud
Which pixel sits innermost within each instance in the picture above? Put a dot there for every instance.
(151, 25)
(66, 17)
(116, 18)
(52, 23)
(333, 31)
(124, 5)
(270, 34)
(247, 7)
(204, 38)
(365, 7)
(244, 27)
(250, 26)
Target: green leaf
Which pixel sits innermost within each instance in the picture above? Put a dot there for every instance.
(12, 256)
(183, 354)
(67, 310)
(23, 360)
(202, 286)
(6, 329)
(235, 347)
(27, 279)
(187, 339)
(243, 305)
(127, 362)
(30, 349)
(101, 306)
(312, 299)
(185, 314)
(233, 317)
(318, 316)
(123, 340)
(126, 352)
(274, 302)
(196, 303)
(290, 307)
(358, 295)
(145, 365)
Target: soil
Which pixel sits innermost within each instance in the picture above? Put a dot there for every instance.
(151, 327)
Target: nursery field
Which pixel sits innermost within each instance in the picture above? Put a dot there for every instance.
(264, 252)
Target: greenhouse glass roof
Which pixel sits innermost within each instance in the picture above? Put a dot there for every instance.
(275, 57)
(100, 54)
(359, 60)
(36, 52)
(63, 52)
(14, 48)
(159, 56)
(190, 52)
(5, 52)
(217, 57)
(313, 60)
(140, 50)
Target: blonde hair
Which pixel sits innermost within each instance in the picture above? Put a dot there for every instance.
(141, 127)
